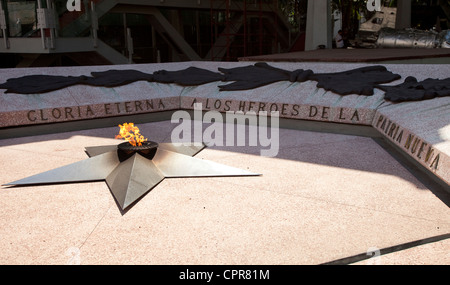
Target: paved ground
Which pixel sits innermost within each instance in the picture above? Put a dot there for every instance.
(324, 197)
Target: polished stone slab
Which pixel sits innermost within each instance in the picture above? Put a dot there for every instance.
(298, 100)
(420, 128)
(293, 100)
(81, 102)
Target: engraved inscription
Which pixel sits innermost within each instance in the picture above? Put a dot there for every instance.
(410, 143)
(89, 112)
(297, 111)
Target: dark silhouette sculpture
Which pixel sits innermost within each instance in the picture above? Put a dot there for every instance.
(360, 81)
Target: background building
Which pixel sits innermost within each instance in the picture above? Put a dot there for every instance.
(47, 33)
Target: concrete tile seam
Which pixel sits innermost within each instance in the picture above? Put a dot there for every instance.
(96, 225)
(388, 250)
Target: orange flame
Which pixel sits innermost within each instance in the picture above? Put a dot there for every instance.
(131, 133)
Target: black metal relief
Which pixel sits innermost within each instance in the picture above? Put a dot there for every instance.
(360, 81)
(412, 90)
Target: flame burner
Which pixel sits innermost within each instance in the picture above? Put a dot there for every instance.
(147, 149)
(134, 167)
(132, 171)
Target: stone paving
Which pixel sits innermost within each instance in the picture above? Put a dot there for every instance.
(324, 197)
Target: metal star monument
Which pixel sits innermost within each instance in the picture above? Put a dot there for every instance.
(132, 171)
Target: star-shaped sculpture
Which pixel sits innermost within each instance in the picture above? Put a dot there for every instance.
(131, 176)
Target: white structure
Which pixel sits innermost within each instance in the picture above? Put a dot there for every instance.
(318, 25)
